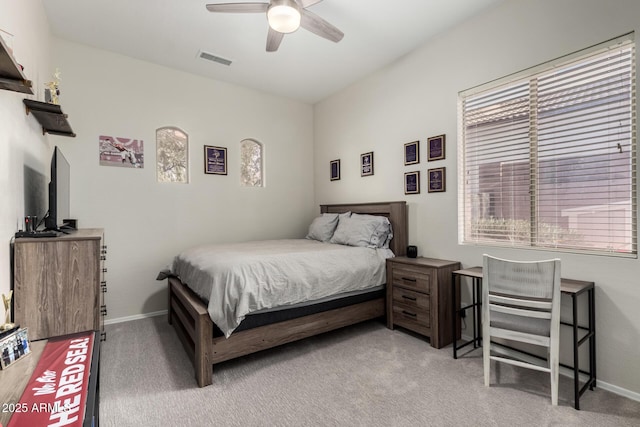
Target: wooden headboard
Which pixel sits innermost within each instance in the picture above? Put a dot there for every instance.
(395, 211)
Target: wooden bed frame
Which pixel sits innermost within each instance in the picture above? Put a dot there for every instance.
(188, 314)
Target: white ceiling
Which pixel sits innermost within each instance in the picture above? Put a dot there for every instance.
(306, 67)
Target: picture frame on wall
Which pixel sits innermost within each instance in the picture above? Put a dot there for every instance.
(412, 182)
(437, 180)
(121, 151)
(334, 166)
(436, 147)
(366, 164)
(215, 160)
(412, 153)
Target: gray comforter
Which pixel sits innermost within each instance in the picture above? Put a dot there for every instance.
(241, 278)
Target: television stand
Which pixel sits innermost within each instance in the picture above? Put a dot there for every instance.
(72, 265)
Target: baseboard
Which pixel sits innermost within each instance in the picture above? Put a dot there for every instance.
(618, 390)
(135, 317)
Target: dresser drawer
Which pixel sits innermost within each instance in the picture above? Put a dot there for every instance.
(412, 278)
(415, 300)
(410, 318)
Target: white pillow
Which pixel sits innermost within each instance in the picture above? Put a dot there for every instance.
(369, 231)
(322, 227)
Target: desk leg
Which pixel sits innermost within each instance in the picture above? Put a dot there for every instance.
(592, 341)
(576, 368)
(477, 282)
(454, 316)
(474, 297)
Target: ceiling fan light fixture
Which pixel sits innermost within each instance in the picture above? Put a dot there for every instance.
(284, 16)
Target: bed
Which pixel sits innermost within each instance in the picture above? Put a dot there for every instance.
(207, 345)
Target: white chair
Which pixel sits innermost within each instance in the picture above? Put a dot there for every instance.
(521, 303)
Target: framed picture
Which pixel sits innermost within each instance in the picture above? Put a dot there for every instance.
(412, 153)
(436, 145)
(366, 164)
(335, 169)
(120, 151)
(412, 182)
(437, 178)
(215, 160)
(13, 347)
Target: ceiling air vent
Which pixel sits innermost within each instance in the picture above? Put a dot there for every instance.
(211, 57)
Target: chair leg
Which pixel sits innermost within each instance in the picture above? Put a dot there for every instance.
(554, 365)
(554, 386)
(486, 358)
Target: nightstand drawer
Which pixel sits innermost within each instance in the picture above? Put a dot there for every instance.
(411, 278)
(410, 318)
(415, 300)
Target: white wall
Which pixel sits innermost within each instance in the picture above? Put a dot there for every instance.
(21, 139)
(416, 98)
(146, 223)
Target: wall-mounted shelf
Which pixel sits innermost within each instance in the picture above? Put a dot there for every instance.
(11, 75)
(50, 116)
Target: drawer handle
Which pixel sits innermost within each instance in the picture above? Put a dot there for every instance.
(406, 313)
(409, 298)
(408, 279)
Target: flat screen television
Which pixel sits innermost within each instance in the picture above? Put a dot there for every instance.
(59, 192)
(35, 193)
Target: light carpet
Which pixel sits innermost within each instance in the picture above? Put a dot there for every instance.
(363, 375)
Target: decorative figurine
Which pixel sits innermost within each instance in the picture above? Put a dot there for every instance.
(53, 91)
(7, 308)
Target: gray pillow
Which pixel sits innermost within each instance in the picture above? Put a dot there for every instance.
(322, 227)
(369, 231)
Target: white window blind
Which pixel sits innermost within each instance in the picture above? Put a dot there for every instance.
(548, 157)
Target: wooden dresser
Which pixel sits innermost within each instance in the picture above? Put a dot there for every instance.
(419, 297)
(58, 283)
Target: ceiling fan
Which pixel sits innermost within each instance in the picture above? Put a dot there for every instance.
(284, 16)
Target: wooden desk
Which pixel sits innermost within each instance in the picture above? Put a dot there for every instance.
(569, 287)
(14, 379)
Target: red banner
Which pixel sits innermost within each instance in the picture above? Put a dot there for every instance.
(56, 394)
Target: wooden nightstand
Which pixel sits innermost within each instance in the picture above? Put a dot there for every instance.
(419, 297)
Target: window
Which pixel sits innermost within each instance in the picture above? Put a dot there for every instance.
(251, 163)
(547, 157)
(172, 154)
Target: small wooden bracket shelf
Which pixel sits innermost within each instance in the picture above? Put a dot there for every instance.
(50, 116)
(11, 75)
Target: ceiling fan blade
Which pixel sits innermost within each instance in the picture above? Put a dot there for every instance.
(273, 40)
(238, 7)
(312, 22)
(307, 3)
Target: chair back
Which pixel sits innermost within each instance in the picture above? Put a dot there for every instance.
(522, 296)
(528, 279)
